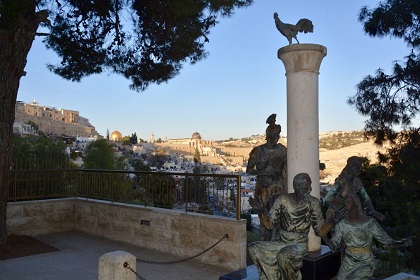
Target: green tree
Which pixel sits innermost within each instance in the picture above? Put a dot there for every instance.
(247, 216)
(126, 140)
(100, 155)
(133, 138)
(197, 169)
(144, 41)
(139, 165)
(232, 195)
(397, 196)
(41, 154)
(389, 100)
(205, 169)
(38, 153)
(197, 157)
(33, 125)
(76, 154)
(157, 160)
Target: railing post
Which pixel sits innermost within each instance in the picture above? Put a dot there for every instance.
(187, 184)
(238, 198)
(14, 186)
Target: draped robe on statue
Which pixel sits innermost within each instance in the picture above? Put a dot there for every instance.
(283, 258)
(358, 261)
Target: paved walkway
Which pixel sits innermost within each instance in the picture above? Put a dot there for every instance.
(78, 259)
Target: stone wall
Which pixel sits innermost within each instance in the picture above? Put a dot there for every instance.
(50, 120)
(164, 230)
(40, 216)
(179, 233)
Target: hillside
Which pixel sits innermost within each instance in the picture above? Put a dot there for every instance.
(335, 160)
(335, 148)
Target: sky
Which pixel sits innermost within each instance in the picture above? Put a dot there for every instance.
(233, 91)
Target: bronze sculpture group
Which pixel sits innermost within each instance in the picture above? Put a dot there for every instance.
(285, 218)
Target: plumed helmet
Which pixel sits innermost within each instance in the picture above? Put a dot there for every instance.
(272, 128)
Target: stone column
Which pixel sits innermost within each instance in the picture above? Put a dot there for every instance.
(302, 63)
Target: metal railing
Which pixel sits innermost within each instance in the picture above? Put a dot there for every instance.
(213, 194)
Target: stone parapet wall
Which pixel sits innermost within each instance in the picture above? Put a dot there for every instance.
(164, 230)
(179, 233)
(40, 216)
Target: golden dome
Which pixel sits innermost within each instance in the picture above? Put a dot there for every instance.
(116, 136)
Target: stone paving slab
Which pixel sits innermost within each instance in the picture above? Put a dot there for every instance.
(78, 258)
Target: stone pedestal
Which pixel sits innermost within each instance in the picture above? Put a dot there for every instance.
(302, 63)
(403, 276)
(111, 266)
(322, 264)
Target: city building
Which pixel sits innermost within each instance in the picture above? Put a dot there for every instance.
(51, 120)
(24, 129)
(190, 144)
(115, 136)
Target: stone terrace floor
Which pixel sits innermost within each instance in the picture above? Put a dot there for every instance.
(78, 259)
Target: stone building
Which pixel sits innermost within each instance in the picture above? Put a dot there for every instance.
(115, 136)
(54, 121)
(204, 147)
(23, 128)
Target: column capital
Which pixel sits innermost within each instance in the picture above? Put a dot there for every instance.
(302, 57)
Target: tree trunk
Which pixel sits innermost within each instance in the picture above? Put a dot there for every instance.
(18, 25)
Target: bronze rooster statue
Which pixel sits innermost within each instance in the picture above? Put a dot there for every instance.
(290, 31)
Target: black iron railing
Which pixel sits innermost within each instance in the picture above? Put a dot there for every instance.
(214, 194)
